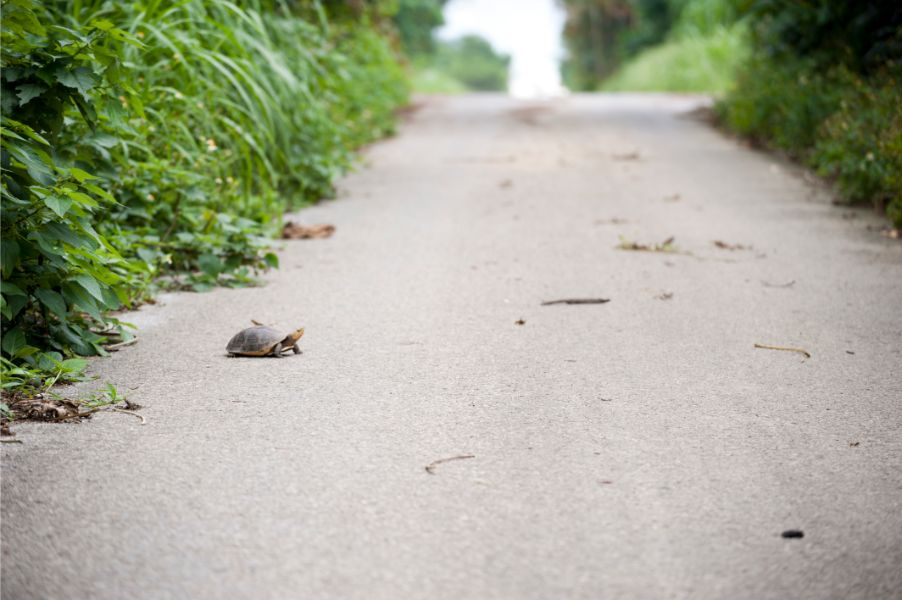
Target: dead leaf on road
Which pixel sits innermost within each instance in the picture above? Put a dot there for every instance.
(731, 247)
(665, 246)
(296, 231)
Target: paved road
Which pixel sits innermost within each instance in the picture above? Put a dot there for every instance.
(642, 448)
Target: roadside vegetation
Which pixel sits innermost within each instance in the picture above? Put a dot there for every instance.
(156, 144)
(820, 81)
(824, 84)
(469, 63)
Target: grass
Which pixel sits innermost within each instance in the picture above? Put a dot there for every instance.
(693, 62)
(431, 80)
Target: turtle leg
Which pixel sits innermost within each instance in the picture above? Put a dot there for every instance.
(277, 350)
(295, 349)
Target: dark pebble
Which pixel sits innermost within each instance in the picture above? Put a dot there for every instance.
(793, 533)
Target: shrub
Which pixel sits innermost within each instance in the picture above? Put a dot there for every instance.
(149, 139)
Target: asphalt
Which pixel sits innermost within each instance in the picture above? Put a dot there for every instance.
(641, 448)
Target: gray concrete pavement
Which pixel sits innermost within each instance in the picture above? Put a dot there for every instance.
(637, 449)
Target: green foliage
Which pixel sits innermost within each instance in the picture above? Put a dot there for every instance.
(472, 61)
(416, 21)
(861, 35)
(426, 78)
(154, 139)
(843, 125)
(824, 87)
(651, 39)
(685, 63)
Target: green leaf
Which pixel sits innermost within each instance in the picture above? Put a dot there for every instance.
(102, 24)
(81, 199)
(53, 301)
(25, 129)
(80, 176)
(29, 91)
(210, 264)
(77, 296)
(76, 365)
(82, 79)
(9, 256)
(57, 204)
(272, 260)
(15, 304)
(11, 289)
(13, 340)
(36, 162)
(99, 191)
(91, 286)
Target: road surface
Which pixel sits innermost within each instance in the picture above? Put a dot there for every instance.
(641, 448)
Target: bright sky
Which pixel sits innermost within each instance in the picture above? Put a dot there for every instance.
(528, 30)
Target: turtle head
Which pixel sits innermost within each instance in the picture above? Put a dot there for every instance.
(295, 335)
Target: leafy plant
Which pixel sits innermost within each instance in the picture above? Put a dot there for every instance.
(160, 142)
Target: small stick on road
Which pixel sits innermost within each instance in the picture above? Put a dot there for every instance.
(430, 468)
(577, 301)
(785, 349)
(128, 412)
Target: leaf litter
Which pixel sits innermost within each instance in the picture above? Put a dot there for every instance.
(665, 246)
(296, 231)
(732, 247)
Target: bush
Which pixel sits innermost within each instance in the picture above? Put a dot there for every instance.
(691, 62)
(824, 86)
(472, 61)
(142, 140)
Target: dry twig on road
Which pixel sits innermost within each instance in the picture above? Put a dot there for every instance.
(430, 468)
(785, 349)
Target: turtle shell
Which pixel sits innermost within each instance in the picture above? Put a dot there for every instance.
(255, 341)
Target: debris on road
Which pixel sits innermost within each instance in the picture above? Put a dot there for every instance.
(793, 534)
(665, 246)
(577, 301)
(732, 247)
(627, 156)
(296, 231)
(128, 412)
(519, 322)
(854, 444)
(784, 348)
(664, 296)
(430, 468)
(887, 231)
(788, 284)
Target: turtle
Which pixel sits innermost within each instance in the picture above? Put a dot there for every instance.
(264, 341)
